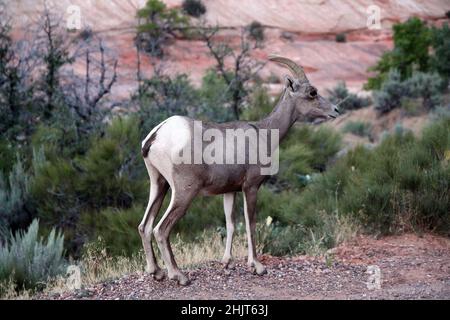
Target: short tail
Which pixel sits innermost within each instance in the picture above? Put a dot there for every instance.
(146, 147)
(149, 140)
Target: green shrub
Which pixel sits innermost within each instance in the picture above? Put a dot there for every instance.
(304, 151)
(416, 48)
(322, 232)
(382, 69)
(204, 213)
(161, 97)
(14, 194)
(440, 61)
(157, 24)
(284, 240)
(113, 169)
(284, 228)
(116, 227)
(412, 106)
(341, 37)
(322, 141)
(402, 184)
(295, 162)
(412, 40)
(194, 8)
(28, 261)
(59, 141)
(427, 87)
(394, 93)
(270, 202)
(57, 195)
(7, 155)
(111, 173)
(440, 113)
(436, 138)
(345, 100)
(393, 90)
(359, 128)
(214, 97)
(16, 208)
(260, 106)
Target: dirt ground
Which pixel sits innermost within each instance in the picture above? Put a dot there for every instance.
(411, 267)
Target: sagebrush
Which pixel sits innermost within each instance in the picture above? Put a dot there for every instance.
(28, 261)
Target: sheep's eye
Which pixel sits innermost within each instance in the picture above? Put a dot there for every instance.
(313, 93)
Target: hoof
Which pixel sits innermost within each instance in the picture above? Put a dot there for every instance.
(181, 279)
(184, 281)
(159, 275)
(258, 269)
(230, 265)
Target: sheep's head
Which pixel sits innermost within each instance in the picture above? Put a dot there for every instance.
(310, 105)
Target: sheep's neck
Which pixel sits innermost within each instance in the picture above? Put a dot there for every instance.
(281, 118)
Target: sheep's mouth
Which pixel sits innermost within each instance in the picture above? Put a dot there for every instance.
(319, 120)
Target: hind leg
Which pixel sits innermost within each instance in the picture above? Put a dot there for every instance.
(179, 203)
(158, 190)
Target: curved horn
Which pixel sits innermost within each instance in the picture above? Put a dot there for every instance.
(291, 65)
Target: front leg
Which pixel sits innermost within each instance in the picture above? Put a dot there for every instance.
(228, 206)
(250, 225)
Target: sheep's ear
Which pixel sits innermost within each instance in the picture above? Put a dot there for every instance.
(290, 84)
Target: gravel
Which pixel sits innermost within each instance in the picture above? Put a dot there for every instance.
(411, 268)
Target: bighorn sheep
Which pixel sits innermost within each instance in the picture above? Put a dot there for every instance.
(299, 101)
